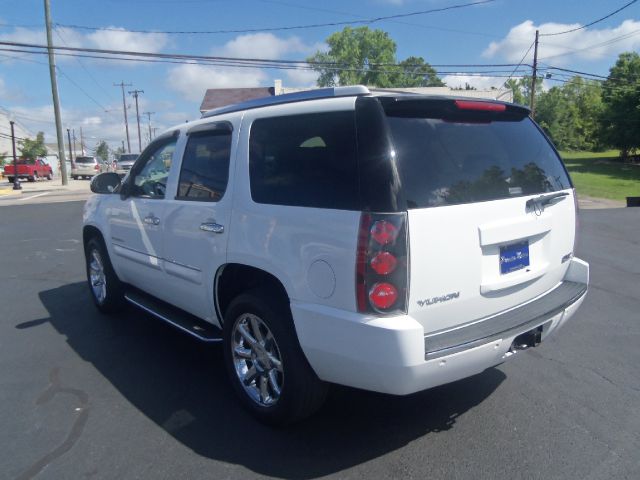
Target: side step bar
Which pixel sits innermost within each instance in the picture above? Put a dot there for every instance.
(180, 319)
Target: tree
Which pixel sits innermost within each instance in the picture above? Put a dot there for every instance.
(364, 56)
(620, 119)
(570, 114)
(521, 89)
(415, 72)
(33, 149)
(102, 150)
(119, 151)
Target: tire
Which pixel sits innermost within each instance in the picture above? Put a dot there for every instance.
(75, 177)
(108, 296)
(49, 176)
(10, 179)
(277, 360)
(33, 177)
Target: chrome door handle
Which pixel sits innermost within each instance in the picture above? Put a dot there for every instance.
(212, 227)
(151, 220)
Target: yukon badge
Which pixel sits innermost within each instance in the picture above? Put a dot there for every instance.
(440, 299)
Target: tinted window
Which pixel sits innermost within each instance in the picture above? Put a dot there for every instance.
(128, 157)
(205, 166)
(444, 162)
(85, 160)
(305, 160)
(150, 179)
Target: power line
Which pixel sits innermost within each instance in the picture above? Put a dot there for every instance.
(590, 23)
(367, 21)
(189, 57)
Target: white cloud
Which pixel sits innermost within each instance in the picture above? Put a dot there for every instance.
(121, 39)
(263, 45)
(192, 80)
(302, 78)
(477, 81)
(586, 44)
(3, 88)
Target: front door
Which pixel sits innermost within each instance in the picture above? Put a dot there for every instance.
(136, 222)
(197, 220)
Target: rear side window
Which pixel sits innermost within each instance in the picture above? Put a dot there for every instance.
(449, 162)
(205, 166)
(305, 160)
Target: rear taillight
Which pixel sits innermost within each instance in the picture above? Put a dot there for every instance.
(381, 263)
(97, 167)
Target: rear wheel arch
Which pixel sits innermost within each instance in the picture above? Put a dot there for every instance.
(233, 279)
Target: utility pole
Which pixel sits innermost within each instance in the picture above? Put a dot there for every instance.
(54, 92)
(82, 142)
(73, 136)
(70, 152)
(534, 77)
(16, 180)
(124, 107)
(135, 95)
(148, 114)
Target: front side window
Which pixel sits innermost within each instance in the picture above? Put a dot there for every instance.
(305, 160)
(205, 166)
(150, 180)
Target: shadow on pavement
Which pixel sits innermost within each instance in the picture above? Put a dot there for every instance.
(181, 385)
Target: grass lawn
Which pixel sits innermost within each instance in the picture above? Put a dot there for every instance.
(600, 175)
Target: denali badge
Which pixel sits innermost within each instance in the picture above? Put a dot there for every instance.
(442, 298)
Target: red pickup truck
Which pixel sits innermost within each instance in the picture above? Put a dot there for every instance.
(30, 169)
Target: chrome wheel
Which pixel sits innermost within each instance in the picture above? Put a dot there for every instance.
(257, 360)
(97, 277)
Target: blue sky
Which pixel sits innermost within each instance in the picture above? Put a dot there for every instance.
(498, 32)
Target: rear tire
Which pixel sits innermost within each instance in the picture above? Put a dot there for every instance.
(49, 176)
(265, 363)
(106, 288)
(10, 179)
(33, 177)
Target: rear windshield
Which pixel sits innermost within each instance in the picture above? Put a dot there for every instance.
(128, 158)
(26, 161)
(85, 160)
(445, 162)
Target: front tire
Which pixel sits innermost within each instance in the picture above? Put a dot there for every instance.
(265, 363)
(106, 289)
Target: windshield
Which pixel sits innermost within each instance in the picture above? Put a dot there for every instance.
(449, 162)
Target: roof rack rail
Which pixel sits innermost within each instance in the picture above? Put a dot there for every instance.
(291, 98)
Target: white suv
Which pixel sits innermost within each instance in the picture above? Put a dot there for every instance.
(383, 241)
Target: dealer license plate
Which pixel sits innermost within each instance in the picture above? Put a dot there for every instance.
(514, 257)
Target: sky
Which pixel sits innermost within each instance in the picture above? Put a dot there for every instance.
(493, 33)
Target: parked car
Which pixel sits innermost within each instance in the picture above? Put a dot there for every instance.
(87, 167)
(30, 169)
(387, 242)
(124, 163)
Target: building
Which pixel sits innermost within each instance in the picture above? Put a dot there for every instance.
(221, 97)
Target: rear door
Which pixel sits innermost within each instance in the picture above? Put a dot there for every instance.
(490, 206)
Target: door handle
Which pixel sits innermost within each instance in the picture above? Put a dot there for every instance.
(212, 227)
(151, 220)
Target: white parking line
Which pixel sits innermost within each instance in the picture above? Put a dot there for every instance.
(33, 196)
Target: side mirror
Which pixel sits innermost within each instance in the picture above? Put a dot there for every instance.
(107, 182)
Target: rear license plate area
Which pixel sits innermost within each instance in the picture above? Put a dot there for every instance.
(514, 257)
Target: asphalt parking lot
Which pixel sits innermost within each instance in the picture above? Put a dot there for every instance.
(88, 396)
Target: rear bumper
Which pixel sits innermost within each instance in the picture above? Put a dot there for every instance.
(392, 355)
